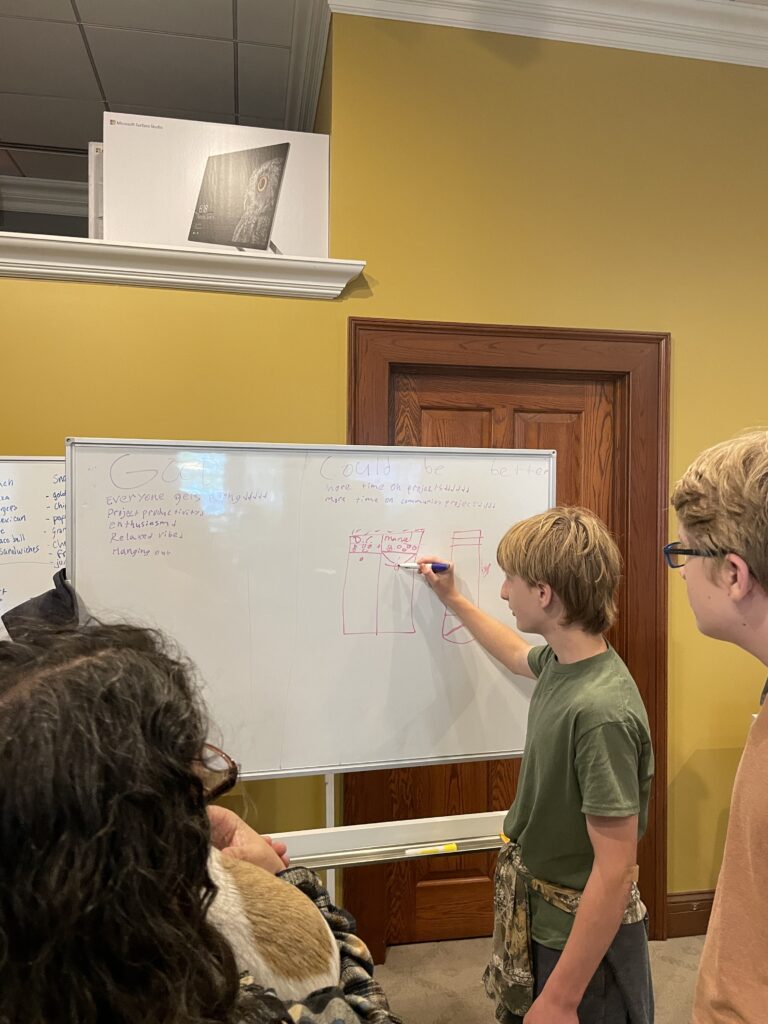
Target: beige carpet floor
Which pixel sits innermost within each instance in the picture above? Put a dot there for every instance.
(439, 982)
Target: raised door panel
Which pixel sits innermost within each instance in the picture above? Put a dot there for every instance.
(561, 431)
(456, 428)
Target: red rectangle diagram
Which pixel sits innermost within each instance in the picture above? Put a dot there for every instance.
(378, 595)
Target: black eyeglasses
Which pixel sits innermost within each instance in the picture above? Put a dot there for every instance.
(676, 555)
(218, 772)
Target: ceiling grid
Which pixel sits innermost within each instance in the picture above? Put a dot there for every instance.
(63, 63)
(260, 62)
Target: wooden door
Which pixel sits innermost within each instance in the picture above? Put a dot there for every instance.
(599, 400)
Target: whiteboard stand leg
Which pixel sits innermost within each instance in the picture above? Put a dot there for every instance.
(330, 822)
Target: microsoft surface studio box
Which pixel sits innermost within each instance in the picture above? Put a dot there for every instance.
(191, 183)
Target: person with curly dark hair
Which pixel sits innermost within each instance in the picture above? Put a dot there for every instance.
(105, 841)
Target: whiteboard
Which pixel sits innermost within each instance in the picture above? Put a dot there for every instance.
(276, 567)
(32, 527)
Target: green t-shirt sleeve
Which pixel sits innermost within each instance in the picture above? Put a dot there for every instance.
(538, 658)
(607, 768)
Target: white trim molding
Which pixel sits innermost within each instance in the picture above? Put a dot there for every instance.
(719, 30)
(39, 195)
(54, 258)
(311, 25)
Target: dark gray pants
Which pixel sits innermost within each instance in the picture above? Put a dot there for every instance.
(620, 991)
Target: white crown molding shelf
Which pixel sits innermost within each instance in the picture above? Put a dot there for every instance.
(55, 258)
(718, 30)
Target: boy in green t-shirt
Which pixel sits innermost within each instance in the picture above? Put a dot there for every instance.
(582, 797)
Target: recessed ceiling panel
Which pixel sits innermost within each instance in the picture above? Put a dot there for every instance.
(265, 21)
(263, 79)
(184, 115)
(182, 17)
(156, 70)
(50, 121)
(58, 10)
(44, 58)
(7, 166)
(51, 165)
(263, 122)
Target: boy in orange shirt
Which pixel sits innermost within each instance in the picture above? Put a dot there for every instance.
(722, 509)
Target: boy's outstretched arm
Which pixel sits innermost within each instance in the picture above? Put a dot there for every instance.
(501, 641)
(602, 906)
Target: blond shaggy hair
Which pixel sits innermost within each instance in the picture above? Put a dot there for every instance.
(571, 550)
(721, 501)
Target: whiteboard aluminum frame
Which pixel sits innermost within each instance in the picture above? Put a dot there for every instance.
(377, 843)
(59, 460)
(333, 449)
(375, 766)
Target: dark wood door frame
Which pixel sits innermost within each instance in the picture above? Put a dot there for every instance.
(639, 363)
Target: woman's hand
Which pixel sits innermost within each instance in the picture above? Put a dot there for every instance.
(231, 835)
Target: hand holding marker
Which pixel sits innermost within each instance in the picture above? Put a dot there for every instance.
(434, 566)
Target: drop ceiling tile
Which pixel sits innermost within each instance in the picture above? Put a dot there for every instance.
(57, 10)
(185, 115)
(44, 58)
(50, 121)
(263, 122)
(181, 17)
(263, 73)
(7, 166)
(265, 21)
(51, 165)
(155, 70)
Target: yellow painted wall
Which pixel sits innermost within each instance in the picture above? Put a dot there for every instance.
(510, 180)
(484, 178)
(108, 361)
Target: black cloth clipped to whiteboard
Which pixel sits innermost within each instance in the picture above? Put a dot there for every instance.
(57, 607)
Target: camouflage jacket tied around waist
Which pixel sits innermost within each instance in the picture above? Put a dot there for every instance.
(508, 977)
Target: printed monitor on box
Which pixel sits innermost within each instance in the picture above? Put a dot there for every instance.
(238, 197)
(190, 183)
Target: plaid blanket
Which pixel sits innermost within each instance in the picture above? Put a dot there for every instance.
(357, 999)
